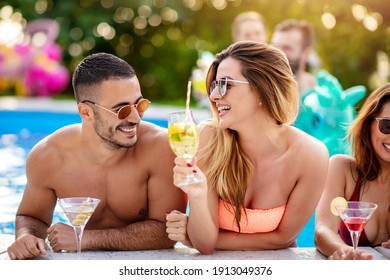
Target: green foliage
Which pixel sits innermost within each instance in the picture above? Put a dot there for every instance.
(163, 54)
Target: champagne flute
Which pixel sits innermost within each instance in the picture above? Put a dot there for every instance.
(183, 137)
(78, 210)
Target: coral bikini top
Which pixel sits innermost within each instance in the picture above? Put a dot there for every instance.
(255, 220)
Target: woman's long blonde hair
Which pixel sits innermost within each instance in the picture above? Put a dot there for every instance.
(267, 70)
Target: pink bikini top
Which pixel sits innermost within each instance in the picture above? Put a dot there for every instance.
(255, 220)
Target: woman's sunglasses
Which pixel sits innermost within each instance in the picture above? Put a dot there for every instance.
(222, 85)
(383, 125)
(125, 111)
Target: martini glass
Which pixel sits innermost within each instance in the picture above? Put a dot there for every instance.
(78, 210)
(355, 216)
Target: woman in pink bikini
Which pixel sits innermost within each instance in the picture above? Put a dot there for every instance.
(364, 177)
(263, 177)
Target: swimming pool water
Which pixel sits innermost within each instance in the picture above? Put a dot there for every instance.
(19, 132)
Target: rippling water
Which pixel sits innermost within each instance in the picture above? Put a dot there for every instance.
(13, 152)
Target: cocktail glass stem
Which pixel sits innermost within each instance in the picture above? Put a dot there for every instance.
(190, 178)
(79, 234)
(355, 235)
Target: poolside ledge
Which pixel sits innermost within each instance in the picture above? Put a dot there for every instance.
(184, 253)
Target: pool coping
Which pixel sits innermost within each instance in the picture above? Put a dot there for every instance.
(180, 252)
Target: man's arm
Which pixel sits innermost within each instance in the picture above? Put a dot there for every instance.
(144, 235)
(35, 210)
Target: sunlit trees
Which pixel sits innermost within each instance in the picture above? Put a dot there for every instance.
(162, 38)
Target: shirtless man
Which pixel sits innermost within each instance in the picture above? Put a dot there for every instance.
(295, 39)
(112, 156)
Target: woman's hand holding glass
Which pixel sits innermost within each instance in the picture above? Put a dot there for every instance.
(183, 137)
(184, 170)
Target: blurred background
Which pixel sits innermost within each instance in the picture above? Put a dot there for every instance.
(162, 39)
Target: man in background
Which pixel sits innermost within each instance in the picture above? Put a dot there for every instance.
(295, 38)
(249, 26)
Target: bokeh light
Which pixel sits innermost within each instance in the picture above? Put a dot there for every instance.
(359, 12)
(123, 14)
(370, 22)
(219, 4)
(11, 26)
(157, 40)
(76, 33)
(88, 43)
(75, 49)
(107, 3)
(144, 11)
(105, 30)
(140, 23)
(194, 5)
(41, 6)
(169, 15)
(174, 33)
(155, 20)
(328, 20)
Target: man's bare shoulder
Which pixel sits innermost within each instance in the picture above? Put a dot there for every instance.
(154, 150)
(152, 132)
(51, 148)
(153, 139)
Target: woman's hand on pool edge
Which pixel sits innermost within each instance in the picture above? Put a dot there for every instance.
(348, 253)
(26, 247)
(386, 244)
(177, 227)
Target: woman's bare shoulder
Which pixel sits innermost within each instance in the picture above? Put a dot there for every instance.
(207, 128)
(307, 145)
(341, 161)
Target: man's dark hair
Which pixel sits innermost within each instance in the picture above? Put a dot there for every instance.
(95, 69)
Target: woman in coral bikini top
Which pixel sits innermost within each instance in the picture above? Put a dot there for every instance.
(262, 177)
(364, 177)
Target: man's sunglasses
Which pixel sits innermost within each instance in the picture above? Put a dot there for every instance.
(383, 125)
(125, 111)
(222, 85)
